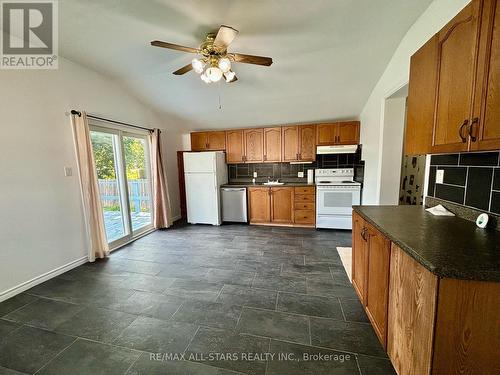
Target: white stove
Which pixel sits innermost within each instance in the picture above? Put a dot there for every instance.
(336, 193)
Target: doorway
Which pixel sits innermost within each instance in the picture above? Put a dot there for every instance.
(123, 169)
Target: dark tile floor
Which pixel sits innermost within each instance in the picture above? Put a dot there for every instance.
(223, 300)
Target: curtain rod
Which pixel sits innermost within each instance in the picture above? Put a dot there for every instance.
(77, 113)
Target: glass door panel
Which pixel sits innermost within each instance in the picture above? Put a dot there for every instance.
(137, 172)
(106, 151)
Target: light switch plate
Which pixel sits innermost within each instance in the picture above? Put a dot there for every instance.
(300, 174)
(254, 174)
(68, 171)
(439, 176)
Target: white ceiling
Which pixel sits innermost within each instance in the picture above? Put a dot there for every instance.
(328, 55)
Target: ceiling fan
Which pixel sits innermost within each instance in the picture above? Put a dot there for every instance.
(214, 61)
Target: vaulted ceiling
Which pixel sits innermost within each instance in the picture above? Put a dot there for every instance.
(328, 54)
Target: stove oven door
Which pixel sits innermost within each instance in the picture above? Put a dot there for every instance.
(333, 200)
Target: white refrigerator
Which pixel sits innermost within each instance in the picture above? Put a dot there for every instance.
(204, 173)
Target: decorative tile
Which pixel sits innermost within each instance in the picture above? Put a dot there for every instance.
(451, 159)
(479, 188)
(450, 193)
(479, 159)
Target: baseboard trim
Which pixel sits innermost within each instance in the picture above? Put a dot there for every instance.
(177, 217)
(40, 279)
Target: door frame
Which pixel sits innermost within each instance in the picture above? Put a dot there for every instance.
(120, 167)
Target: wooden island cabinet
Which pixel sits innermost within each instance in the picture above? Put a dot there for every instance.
(427, 324)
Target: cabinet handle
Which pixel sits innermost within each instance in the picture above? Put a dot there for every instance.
(464, 139)
(475, 121)
(296, 156)
(265, 157)
(300, 157)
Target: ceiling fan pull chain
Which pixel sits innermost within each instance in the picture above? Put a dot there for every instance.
(220, 105)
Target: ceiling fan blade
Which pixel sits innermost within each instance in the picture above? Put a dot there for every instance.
(183, 70)
(225, 36)
(158, 43)
(251, 59)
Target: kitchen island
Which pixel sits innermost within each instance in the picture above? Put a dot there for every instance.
(430, 286)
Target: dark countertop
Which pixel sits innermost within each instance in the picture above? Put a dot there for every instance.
(449, 247)
(260, 184)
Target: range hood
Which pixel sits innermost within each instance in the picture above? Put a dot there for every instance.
(342, 149)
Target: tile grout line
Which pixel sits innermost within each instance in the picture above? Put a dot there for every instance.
(191, 340)
(310, 332)
(342, 308)
(57, 355)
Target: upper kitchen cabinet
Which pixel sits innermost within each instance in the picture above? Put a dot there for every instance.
(338, 133)
(235, 146)
(272, 145)
(421, 99)
(456, 69)
(485, 125)
(290, 143)
(299, 143)
(307, 142)
(208, 141)
(254, 145)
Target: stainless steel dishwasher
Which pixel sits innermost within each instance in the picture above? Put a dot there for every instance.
(234, 204)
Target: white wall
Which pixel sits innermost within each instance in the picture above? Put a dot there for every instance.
(41, 227)
(392, 146)
(395, 76)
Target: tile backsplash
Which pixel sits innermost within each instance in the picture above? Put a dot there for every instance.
(287, 172)
(470, 179)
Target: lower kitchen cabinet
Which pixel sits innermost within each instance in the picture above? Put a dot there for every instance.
(412, 305)
(370, 273)
(359, 256)
(259, 205)
(377, 291)
(428, 324)
(282, 205)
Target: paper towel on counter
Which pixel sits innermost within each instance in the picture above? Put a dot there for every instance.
(439, 210)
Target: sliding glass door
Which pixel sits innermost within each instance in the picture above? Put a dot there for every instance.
(124, 174)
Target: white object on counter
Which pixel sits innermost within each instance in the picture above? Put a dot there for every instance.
(310, 176)
(439, 210)
(482, 220)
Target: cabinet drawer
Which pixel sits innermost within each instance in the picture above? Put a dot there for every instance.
(304, 206)
(304, 216)
(304, 190)
(304, 198)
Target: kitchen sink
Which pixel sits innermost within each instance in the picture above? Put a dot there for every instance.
(272, 183)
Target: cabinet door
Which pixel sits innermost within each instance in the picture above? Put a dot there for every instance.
(377, 293)
(272, 145)
(421, 99)
(216, 141)
(290, 140)
(326, 134)
(348, 133)
(254, 146)
(412, 308)
(198, 141)
(359, 257)
(259, 204)
(457, 51)
(234, 146)
(282, 205)
(307, 143)
(486, 119)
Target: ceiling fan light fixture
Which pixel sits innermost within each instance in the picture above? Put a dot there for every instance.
(214, 74)
(229, 76)
(198, 65)
(204, 78)
(224, 64)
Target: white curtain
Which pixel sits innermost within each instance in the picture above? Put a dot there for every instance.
(92, 209)
(161, 200)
